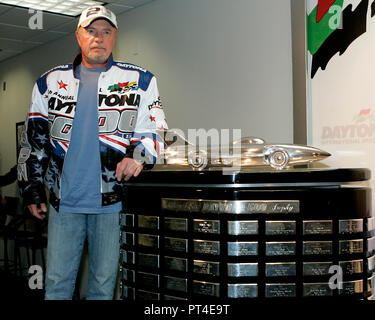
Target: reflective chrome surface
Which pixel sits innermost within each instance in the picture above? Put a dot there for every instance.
(280, 290)
(317, 227)
(350, 226)
(350, 246)
(149, 260)
(174, 283)
(280, 248)
(242, 248)
(243, 290)
(206, 226)
(176, 224)
(207, 247)
(352, 266)
(148, 222)
(243, 227)
(317, 247)
(280, 269)
(206, 288)
(246, 152)
(321, 289)
(176, 244)
(280, 227)
(148, 279)
(206, 267)
(148, 240)
(245, 269)
(316, 268)
(175, 264)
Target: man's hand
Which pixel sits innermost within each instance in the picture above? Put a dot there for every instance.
(38, 211)
(127, 168)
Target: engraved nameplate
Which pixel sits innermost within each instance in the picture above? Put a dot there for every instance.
(371, 284)
(317, 247)
(317, 290)
(176, 244)
(280, 269)
(206, 288)
(285, 248)
(148, 260)
(128, 256)
(371, 244)
(242, 248)
(127, 220)
(242, 269)
(316, 268)
(243, 227)
(350, 246)
(280, 290)
(176, 224)
(148, 240)
(206, 267)
(371, 263)
(351, 287)
(128, 292)
(127, 238)
(370, 224)
(147, 295)
(148, 222)
(280, 227)
(172, 298)
(206, 226)
(242, 290)
(317, 227)
(230, 206)
(351, 267)
(207, 247)
(148, 279)
(175, 264)
(128, 275)
(176, 284)
(350, 226)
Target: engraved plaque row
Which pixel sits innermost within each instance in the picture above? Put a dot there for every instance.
(248, 248)
(249, 227)
(248, 269)
(242, 290)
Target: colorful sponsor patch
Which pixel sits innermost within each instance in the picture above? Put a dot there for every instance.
(123, 87)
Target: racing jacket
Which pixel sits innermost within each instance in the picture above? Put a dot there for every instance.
(129, 113)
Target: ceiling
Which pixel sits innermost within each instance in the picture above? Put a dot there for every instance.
(16, 37)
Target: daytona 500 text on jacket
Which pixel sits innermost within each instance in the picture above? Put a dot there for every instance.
(129, 113)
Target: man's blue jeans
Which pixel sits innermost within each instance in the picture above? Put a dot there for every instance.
(66, 236)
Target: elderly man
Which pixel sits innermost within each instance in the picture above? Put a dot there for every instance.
(86, 123)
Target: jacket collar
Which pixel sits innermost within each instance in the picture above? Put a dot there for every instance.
(78, 59)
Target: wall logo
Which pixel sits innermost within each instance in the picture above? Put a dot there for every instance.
(331, 29)
(360, 130)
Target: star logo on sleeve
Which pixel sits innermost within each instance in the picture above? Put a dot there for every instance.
(62, 85)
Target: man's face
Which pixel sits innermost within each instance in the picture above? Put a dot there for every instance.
(96, 42)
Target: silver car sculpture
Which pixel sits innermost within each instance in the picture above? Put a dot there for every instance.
(245, 153)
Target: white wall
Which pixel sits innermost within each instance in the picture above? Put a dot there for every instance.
(220, 64)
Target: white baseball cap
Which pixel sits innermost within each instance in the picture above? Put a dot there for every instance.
(96, 12)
